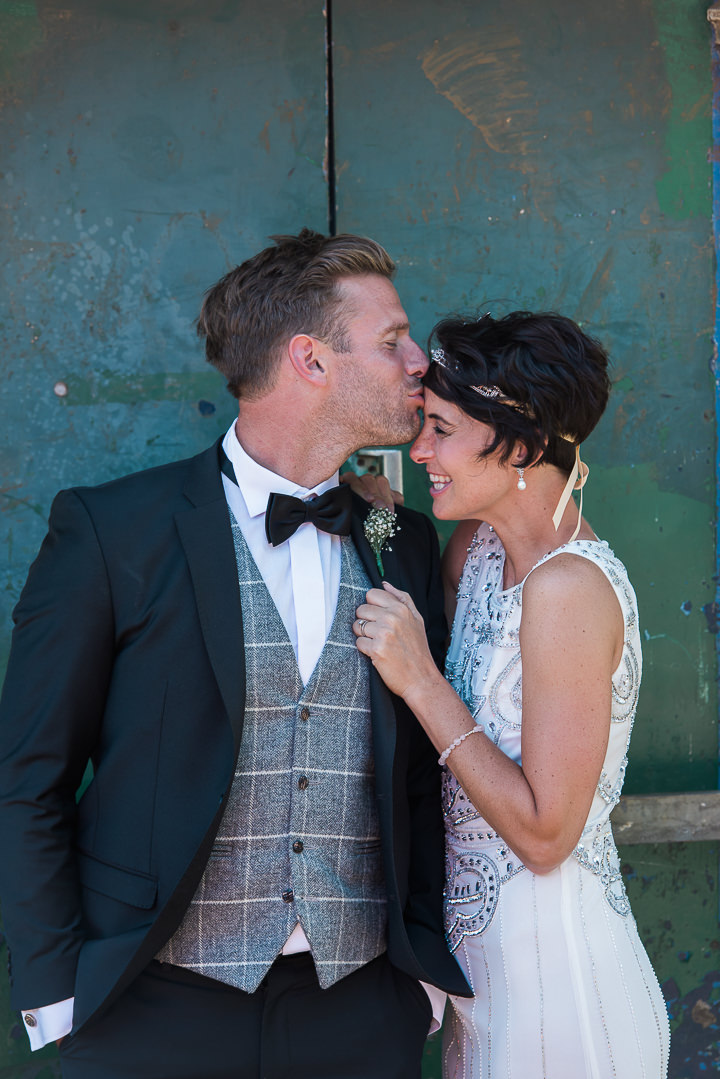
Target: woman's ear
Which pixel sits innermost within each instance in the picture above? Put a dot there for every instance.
(519, 457)
(306, 358)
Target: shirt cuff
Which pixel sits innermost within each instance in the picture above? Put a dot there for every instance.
(437, 999)
(45, 1025)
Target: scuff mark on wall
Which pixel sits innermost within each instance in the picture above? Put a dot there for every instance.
(481, 74)
(597, 289)
(711, 612)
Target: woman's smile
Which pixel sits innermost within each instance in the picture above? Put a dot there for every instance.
(438, 483)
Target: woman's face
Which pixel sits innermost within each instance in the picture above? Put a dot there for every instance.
(462, 486)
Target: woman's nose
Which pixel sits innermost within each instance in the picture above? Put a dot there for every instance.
(419, 451)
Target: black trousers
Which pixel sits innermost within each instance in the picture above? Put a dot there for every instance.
(174, 1024)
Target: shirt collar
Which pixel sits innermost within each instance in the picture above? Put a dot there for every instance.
(256, 482)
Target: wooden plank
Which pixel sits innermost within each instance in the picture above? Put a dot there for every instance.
(667, 818)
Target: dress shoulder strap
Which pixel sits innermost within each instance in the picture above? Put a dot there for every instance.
(604, 558)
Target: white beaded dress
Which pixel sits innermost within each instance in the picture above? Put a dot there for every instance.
(563, 986)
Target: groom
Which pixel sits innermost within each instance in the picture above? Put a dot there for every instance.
(251, 884)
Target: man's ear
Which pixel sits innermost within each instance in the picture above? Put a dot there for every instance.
(306, 355)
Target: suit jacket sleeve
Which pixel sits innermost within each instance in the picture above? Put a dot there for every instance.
(50, 714)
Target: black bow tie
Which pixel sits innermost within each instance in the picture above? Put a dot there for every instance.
(330, 512)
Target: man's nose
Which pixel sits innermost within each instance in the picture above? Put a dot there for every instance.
(416, 362)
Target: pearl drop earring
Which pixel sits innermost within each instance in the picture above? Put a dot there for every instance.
(521, 482)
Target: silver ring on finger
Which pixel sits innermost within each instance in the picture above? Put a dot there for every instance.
(363, 623)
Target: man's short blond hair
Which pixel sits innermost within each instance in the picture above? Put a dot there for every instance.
(289, 288)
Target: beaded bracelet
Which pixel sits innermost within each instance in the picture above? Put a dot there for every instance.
(453, 745)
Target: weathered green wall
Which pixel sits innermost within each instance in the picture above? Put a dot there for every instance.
(540, 154)
(554, 155)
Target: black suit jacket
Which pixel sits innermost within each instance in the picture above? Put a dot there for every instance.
(128, 652)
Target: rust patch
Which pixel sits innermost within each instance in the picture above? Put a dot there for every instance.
(701, 106)
(703, 1014)
(211, 221)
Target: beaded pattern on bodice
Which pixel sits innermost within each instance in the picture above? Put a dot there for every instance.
(484, 668)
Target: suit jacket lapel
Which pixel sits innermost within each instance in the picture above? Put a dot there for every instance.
(360, 510)
(391, 564)
(383, 712)
(206, 536)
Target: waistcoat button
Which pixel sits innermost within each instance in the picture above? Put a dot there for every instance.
(288, 896)
(305, 713)
(303, 783)
(298, 846)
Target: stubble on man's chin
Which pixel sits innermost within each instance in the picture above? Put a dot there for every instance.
(393, 433)
(410, 430)
(383, 427)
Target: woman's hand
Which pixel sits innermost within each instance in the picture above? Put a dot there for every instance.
(374, 489)
(390, 630)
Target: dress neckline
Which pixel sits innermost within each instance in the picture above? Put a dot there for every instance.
(545, 557)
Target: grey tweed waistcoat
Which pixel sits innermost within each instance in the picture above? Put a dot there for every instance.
(299, 840)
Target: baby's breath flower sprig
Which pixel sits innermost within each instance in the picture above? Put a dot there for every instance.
(380, 526)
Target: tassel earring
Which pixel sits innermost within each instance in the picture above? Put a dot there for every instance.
(521, 482)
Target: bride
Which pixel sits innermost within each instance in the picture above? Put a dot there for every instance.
(533, 719)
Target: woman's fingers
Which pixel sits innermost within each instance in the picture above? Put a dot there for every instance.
(389, 597)
(403, 597)
(389, 630)
(394, 600)
(374, 489)
(389, 616)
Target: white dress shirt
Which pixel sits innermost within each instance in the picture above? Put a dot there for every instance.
(303, 578)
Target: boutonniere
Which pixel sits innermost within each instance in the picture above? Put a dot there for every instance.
(380, 526)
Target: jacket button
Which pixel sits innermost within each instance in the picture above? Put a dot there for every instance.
(303, 783)
(30, 1020)
(305, 713)
(298, 846)
(288, 896)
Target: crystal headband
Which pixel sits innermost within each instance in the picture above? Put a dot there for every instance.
(492, 392)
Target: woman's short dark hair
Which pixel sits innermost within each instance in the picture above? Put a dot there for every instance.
(285, 289)
(554, 374)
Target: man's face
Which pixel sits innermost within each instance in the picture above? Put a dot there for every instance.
(378, 390)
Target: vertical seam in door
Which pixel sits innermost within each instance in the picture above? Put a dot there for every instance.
(715, 53)
(329, 169)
